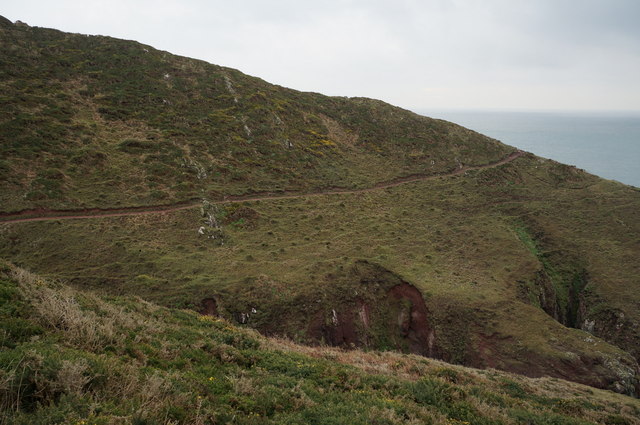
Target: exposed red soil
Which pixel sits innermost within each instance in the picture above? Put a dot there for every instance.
(492, 351)
(336, 328)
(409, 325)
(43, 214)
(209, 307)
(414, 321)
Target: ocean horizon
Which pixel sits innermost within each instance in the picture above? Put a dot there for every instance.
(606, 144)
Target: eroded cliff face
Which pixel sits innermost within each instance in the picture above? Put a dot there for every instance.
(609, 369)
(397, 319)
(368, 306)
(563, 288)
(413, 319)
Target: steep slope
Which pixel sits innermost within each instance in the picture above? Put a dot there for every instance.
(95, 121)
(72, 357)
(523, 264)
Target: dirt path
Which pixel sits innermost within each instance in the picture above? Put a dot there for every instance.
(46, 214)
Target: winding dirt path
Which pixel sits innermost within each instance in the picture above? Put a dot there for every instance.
(49, 214)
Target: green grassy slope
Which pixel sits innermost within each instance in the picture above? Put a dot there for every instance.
(73, 357)
(292, 260)
(82, 116)
(529, 267)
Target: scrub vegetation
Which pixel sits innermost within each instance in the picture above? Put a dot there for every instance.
(77, 358)
(267, 209)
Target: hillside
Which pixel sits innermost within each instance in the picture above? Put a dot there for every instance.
(327, 220)
(100, 122)
(77, 358)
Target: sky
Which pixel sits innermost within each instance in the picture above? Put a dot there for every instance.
(417, 54)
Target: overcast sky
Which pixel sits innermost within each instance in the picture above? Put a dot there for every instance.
(421, 55)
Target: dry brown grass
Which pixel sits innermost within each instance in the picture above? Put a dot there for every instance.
(72, 376)
(86, 320)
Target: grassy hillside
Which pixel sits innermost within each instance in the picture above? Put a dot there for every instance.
(529, 266)
(482, 268)
(73, 357)
(96, 121)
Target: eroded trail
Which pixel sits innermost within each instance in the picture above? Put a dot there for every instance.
(48, 214)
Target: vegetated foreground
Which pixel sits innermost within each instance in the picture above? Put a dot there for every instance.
(353, 223)
(74, 357)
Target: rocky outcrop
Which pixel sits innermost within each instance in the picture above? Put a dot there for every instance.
(393, 316)
(610, 324)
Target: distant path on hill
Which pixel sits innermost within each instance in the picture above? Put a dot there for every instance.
(47, 214)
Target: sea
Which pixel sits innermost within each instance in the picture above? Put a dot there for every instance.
(603, 143)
